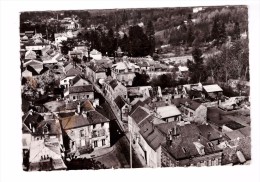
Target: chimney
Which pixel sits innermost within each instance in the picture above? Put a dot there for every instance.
(78, 108)
(33, 129)
(30, 126)
(175, 130)
(209, 134)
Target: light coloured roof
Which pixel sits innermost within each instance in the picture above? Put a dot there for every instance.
(183, 68)
(168, 111)
(212, 88)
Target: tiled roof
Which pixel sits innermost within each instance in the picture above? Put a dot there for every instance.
(32, 118)
(79, 89)
(208, 132)
(184, 146)
(76, 121)
(152, 136)
(53, 127)
(119, 102)
(139, 114)
(138, 103)
(190, 104)
(73, 72)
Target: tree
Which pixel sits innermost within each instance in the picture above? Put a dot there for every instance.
(76, 60)
(140, 79)
(222, 33)
(215, 30)
(150, 35)
(236, 32)
(197, 68)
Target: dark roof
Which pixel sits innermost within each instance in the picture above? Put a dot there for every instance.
(97, 68)
(119, 102)
(152, 136)
(164, 127)
(66, 114)
(73, 72)
(32, 118)
(25, 105)
(113, 84)
(190, 104)
(138, 103)
(183, 146)
(52, 125)
(208, 132)
(76, 79)
(178, 101)
(79, 89)
(234, 125)
(139, 114)
(76, 121)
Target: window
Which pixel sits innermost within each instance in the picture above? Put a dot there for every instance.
(103, 142)
(74, 97)
(102, 124)
(191, 114)
(94, 134)
(94, 126)
(65, 81)
(82, 133)
(95, 144)
(87, 96)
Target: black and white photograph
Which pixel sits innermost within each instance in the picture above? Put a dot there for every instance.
(127, 87)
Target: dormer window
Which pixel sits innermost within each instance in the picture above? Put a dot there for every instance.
(45, 129)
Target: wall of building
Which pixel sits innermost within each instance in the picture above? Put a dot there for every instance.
(66, 81)
(205, 160)
(85, 137)
(81, 96)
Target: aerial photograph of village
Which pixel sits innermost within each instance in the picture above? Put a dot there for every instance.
(135, 88)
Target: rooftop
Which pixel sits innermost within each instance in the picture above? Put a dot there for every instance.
(139, 114)
(79, 89)
(190, 104)
(76, 121)
(212, 88)
(168, 111)
(120, 102)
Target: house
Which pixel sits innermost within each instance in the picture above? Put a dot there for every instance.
(95, 72)
(78, 81)
(193, 111)
(185, 147)
(34, 66)
(168, 113)
(80, 92)
(95, 54)
(46, 155)
(122, 108)
(75, 54)
(40, 128)
(30, 54)
(124, 71)
(86, 131)
(69, 75)
(138, 118)
(183, 72)
(213, 92)
(139, 92)
(114, 88)
(150, 144)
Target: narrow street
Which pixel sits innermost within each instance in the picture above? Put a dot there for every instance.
(120, 157)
